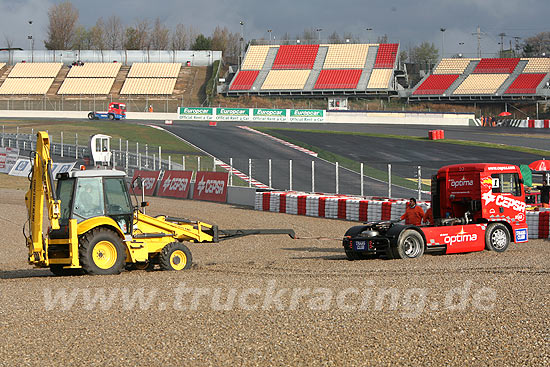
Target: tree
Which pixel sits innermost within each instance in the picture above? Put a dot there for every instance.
(61, 27)
(334, 38)
(81, 39)
(537, 45)
(183, 37)
(202, 43)
(308, 35)
(220, 38)
(160, 36)
(97, 35)
(113, 33)
(424, 54)
(403, 56)
(137, 38)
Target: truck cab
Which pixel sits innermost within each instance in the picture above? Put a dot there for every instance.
(117, 109)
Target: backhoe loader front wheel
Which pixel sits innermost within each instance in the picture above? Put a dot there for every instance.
(175, 256)
(101, 252)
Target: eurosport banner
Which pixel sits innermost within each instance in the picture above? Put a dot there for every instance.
(149, 179)
(175, 184)
(250, 114)
(8, 157)
(307, 116)
(211, 186)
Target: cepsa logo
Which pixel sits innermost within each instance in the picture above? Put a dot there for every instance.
(504, 201)
(461, 183)
(147, 182)
(459, 237)
(175, 184)
(210, 186)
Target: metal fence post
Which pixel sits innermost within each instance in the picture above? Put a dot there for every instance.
(389, 180)
(362, 182)
(76, 145)
(337, 180)
(290, 174)
(230, 171)
(419, 173)
(147, 156)
(169, 162)
(160, 157)
(312, 176)
(249, 172)
(198, 163)
(139, 160)
(183, 163)
(17, 137)
(154, 161)
(62, 144)
(3, 133)
(269, 172)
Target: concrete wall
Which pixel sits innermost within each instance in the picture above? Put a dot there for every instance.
(438, 119)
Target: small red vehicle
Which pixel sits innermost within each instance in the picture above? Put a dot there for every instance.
(117, 111)
(475, 207)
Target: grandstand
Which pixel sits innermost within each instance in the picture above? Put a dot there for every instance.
(151, 79)
(485, 79)
(90, 78)
(30, 78)
(318, 69)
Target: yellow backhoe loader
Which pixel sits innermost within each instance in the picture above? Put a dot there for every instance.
(95, 229)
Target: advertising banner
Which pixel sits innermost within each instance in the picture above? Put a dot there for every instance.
(149, 179)
(22, 167)
(265, 114)
(211, 186)
(307, 115)
(175, 184)
(62, 168)
(233, 114)
(8, 157)
(196, 113)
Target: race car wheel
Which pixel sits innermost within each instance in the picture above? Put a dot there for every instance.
(497, 237)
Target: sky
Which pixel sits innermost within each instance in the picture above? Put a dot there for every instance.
(404, 21)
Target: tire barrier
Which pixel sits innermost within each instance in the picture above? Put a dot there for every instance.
(364, 209)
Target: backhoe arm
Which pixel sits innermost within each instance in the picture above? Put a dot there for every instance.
(41, 189)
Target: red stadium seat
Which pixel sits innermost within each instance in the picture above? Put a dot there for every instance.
(497, 65)
(244, 79)
(295, 57)
(387, 53)
(436, 84)
(525, 84)
(338, 79)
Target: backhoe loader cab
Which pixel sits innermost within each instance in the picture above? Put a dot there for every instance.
(88, 194)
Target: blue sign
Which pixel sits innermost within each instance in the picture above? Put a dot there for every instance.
(521, 235)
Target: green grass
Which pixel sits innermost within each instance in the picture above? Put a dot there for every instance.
(343, 161)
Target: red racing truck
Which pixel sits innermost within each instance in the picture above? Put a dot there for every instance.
(475, 206)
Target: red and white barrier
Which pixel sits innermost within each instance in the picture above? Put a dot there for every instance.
(364, 209)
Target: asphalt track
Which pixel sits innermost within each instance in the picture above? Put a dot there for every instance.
(227, 140)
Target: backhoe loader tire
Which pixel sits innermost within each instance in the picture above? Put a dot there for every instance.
(101, 252)
(175, 256)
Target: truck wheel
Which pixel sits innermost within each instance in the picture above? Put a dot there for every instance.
(175, 256)
(91, 116)
(101, 252)
(410, 244)
(111, 116)
(497, 237)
